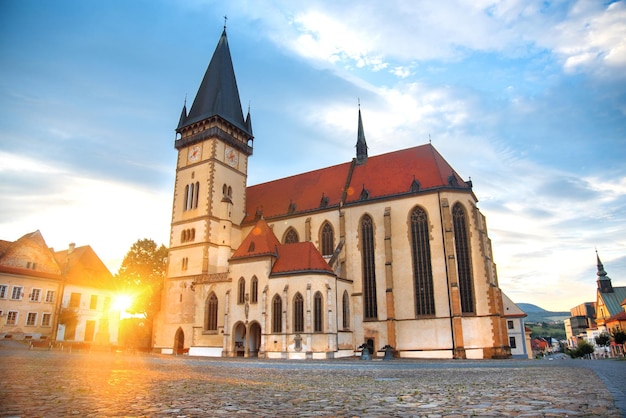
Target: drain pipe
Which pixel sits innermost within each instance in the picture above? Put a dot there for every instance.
(445, 258)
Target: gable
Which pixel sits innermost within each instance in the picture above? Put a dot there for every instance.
(299, 258)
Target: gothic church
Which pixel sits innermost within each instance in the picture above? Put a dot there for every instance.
(385, 250)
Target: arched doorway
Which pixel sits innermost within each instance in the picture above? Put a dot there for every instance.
(179, 342)
(254, 339)
(239, 339)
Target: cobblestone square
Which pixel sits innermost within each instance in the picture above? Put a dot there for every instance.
(54, 383)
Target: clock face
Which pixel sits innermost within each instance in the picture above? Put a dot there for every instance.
(231, 157)
(194, 153)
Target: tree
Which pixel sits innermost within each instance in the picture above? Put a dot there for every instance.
(582, 349)
(603, 339)
(141, 276)
(619, 336)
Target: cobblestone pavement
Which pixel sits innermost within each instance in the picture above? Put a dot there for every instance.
(53, 383)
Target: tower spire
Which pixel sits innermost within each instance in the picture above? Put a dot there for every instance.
(361, 145)
(604, 281)
(218, 94)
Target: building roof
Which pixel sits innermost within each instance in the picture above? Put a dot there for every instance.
(301, 257)
(295, 258)
(29, 254)
(260, 241)
(218, 93)
(404, 172)
(84, 268)
(511, 310)
(613, 301)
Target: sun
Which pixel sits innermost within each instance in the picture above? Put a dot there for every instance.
(122, 303)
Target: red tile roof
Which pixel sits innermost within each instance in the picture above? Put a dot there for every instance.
(382, 176)
(296, 258)
(301, 257)
(259, 242)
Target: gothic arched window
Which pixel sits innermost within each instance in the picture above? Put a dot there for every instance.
(318, 312)
(211, 313)
(241, 292)
(291, 236)
(254, 290)
(369, 268)
(298, 313)
(422, 270)
(463, 261)
(346, 310)
(327, 239)
(277, 314)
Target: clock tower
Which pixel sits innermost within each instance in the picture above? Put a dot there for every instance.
(214, 142)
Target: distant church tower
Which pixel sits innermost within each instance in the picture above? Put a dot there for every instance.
(214, 142)
(603, 281)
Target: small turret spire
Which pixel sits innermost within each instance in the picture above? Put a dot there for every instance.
(604, 281)
(361, 145)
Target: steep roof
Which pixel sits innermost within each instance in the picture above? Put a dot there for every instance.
(85, 268)
(301, 257)
(218, 93)
(30, 253)
(511, 310)
(261, 241)
(296, 258)
(403, 172)
(613, 301)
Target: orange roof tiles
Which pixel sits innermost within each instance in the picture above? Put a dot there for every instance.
(301, 257)
(260, 241)
(382, 176)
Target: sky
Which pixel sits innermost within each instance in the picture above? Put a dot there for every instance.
(526, 98)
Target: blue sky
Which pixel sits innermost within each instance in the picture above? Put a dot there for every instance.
(527, 98)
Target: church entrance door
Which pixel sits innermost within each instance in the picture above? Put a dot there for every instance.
(254, 339)
(240, 339)
(179, 342)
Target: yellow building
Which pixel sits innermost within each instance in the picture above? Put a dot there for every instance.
(386, 250)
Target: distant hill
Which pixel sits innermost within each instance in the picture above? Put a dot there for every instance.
(537, 314)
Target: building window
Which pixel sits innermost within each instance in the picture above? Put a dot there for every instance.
(291, 237)
(3, 291)
(191, 195)
(510, 324)
(31, 319)
(346, 310)
(107, 304)
(512, 342)
(241, 293)
(277, 314)
(46, 319)
(369, 268)
(422, 270)
(254, 290)
(75, 300)
(49, 296)
(298, 313)
(12, 318)
(185, 263)
(17, 293)
(93, 303)
(464, 266)
(35, 295)
(211, 312)
(318, 312)
(327, 239)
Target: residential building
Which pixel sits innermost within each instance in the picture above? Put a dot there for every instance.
(519, 340)
(40, 287)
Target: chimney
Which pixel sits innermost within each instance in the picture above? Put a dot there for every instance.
(70, 250)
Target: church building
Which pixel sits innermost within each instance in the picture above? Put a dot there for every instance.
(384, 250)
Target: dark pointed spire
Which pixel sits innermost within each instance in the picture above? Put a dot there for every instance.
(218, 94)
(183, 116)
(604, 281)
(361, 145)
(249, 121)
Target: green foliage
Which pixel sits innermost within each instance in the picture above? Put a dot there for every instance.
(141, 275)
(68, 317)
(582, 349)
(556, 331)
(619, 336)
(603, 339)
